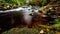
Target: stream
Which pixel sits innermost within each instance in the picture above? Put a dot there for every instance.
(26, 10)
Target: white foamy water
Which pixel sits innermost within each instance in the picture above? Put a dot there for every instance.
(27, 17)
(25, 11)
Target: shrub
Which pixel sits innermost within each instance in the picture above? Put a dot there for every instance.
(17, 2)
(38, 2)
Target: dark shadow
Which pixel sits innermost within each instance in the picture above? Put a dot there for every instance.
(10, 20)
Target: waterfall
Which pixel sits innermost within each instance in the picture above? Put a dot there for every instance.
(25, 11)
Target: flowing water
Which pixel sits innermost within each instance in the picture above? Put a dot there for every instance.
(26, 10)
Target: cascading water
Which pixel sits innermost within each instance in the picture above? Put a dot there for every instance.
(27, 17)
(26, 10)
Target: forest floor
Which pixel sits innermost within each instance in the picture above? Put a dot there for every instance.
(54, 29)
